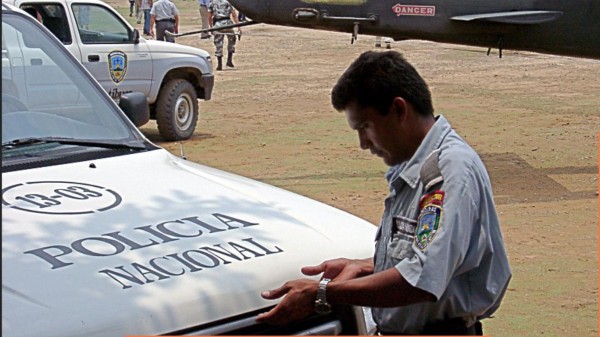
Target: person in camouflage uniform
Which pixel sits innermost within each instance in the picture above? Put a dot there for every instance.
(223, 14)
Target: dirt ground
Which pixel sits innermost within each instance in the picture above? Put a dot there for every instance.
(534, 119)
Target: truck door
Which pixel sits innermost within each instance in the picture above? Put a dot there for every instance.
(109, 52)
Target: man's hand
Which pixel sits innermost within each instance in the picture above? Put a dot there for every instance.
(298, 302)
(341, 269)
(300, 294)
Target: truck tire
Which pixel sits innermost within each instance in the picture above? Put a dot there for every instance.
(177, 110)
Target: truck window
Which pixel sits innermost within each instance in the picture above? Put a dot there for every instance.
(53, 16)
(97, 25)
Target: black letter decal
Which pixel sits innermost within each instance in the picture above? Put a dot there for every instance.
(161, 269)
(52, 259)
(242, 249)
(162, 227)
(128, 277)
(251, 240)
(78, 246)
(143, 270)
(226, 219)
(134, 245)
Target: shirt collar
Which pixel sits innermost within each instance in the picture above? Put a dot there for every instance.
(409, 171)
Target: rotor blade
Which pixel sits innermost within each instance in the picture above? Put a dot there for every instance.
(214, 29)
(518, 17)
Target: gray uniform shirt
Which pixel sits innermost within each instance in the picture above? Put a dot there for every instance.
(164, 9)
(445, 240)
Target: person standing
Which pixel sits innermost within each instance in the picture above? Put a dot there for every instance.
(440, 265)
(165, 15)
(203, 9)
(83, 18)
(138, 11)
(223, 14)
(146, 7)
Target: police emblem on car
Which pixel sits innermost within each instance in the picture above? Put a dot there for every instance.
(117, 65)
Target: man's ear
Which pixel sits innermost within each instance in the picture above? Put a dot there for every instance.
(400, 107)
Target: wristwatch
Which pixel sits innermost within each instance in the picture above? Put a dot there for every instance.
(321, 305)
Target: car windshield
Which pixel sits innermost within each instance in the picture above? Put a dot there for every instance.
(48, 98)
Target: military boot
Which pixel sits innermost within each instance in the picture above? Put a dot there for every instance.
(219, 63)
(230, 60)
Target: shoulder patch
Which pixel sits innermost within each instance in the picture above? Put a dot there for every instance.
(430, 216)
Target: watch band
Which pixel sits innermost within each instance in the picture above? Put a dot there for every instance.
(321, 293)
(321, 304)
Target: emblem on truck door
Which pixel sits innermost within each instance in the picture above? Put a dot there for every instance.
(117, 66)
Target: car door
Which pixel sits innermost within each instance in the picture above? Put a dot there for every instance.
(109, 52)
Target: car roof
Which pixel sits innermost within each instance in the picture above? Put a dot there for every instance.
(6, 7)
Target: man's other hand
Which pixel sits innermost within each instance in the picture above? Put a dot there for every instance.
(341, 269)
(298, 302)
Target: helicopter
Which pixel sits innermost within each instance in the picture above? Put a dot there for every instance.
(559, 27)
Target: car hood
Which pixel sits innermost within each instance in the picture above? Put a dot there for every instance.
(173, 48)
(150, 243)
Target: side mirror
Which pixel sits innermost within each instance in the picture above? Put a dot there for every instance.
(136, 36)
(135, 106)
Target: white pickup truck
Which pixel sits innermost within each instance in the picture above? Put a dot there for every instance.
(172, 76)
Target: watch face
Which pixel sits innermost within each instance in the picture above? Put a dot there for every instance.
(322, 308)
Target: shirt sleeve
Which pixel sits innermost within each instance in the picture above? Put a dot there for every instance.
(446, 229)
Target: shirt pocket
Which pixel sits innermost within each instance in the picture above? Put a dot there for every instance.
(403, 237)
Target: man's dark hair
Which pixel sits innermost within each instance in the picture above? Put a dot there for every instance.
(374, 79)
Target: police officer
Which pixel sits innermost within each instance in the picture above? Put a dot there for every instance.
(166, 16)
(222, 14)
(440, 265)
(203, 9)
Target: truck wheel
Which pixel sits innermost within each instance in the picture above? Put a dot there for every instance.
(177, 110)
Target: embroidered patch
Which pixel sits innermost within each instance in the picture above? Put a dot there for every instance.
(404, 225)
(429, 219)
(436, 197)
(117, 66)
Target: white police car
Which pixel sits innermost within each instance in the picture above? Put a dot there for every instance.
(171, 75)
(91, 248)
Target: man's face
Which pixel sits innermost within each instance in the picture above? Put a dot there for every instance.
(384, 136)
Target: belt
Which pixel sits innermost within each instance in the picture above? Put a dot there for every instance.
(220, 19)
(449, 327)
(169, 19)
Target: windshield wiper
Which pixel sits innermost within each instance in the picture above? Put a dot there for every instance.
(72, 141)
